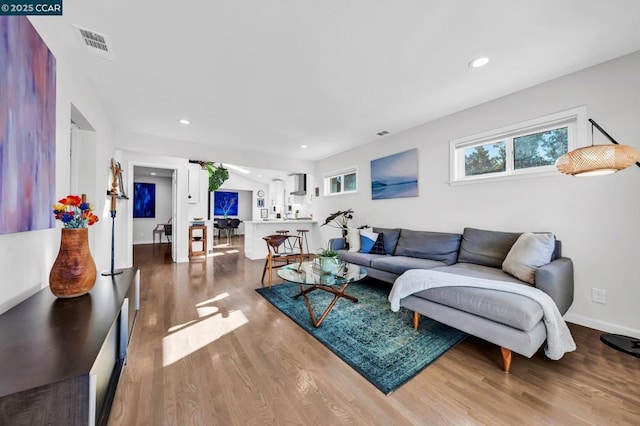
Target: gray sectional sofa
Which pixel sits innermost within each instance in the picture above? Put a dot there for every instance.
(512, 321)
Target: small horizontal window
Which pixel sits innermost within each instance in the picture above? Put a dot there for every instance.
(516, 151)
(342, 182)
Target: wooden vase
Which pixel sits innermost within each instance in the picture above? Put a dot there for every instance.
(74, 271)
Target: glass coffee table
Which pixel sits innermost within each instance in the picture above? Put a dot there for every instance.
(311, 278)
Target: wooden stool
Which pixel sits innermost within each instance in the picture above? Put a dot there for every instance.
(303, 234)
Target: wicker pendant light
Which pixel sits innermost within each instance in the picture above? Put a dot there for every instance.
(596, 160)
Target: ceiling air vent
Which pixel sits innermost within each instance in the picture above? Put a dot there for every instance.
(94, 42)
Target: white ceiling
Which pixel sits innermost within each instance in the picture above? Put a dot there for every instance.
(268, 76)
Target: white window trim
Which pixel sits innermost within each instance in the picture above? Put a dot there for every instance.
(575, 119)
(327, 181)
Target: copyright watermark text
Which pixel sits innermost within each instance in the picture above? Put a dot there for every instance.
(34, 7)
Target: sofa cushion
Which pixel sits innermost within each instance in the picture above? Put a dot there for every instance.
(527, 254)
(400, 264)
(488, 248)
(438, 246)
(390, 238)
(479, 271)
(514, 310)
(368, 239)
(353, 236)
(378, 246)
(362, 259)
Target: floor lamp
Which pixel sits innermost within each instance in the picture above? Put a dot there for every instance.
(597, 160)
(115, 171)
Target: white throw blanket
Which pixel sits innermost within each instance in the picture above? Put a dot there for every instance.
(559, 340)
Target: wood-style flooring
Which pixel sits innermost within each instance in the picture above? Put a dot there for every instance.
(208, 350)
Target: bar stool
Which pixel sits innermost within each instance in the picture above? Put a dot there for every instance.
(286, 242)
(302, 233)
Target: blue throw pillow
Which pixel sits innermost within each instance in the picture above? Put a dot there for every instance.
(367, 240)
(371, 242)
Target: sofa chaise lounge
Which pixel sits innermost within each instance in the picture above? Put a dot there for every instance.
(512, 321)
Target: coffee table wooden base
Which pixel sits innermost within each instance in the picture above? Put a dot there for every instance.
(338, 293)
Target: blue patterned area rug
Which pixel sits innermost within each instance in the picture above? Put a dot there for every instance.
(379, 344)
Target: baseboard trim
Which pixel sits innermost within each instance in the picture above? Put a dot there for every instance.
(604, 326)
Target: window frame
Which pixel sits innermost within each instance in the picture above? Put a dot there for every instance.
(340, 173)
(574, 119)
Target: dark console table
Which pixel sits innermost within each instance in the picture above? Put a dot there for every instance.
(60, 359)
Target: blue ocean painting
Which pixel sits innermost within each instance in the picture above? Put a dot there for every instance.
(395, 176)
(144, 200)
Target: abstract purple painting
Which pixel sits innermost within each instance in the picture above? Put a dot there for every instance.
(27, 128)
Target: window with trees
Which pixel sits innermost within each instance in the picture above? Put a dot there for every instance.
(519, 150)
(341, 182)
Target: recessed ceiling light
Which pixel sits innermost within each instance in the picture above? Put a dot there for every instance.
(184, 121)
(304, 146)
(152, 173)
(479, 62)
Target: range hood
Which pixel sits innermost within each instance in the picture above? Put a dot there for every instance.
(299, 184)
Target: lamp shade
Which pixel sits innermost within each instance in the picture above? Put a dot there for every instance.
(597, 160)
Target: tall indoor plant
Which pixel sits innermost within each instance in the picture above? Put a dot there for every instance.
(74, 271)
(339, 220)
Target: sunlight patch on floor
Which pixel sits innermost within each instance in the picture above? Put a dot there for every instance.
(179, 326)
(214, 299)
(206, 311)
(199, 334)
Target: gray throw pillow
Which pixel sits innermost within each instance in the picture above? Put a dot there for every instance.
(528, 253)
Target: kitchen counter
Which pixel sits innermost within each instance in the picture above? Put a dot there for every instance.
(281, 221)
(256, 248)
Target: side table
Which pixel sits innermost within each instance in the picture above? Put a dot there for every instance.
(199, 237)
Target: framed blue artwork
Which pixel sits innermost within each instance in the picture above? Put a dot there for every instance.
(144, 200)
(395, 176)
(225, 203)
(27, 128)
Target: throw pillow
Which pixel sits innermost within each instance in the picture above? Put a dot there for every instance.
(528, 253)
(353, 236)
(367, 240)
(378, 246)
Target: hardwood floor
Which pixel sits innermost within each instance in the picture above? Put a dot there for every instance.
(208, 350)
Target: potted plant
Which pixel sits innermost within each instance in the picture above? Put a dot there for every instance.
(328, 260)
(217, 174)
(340, 220)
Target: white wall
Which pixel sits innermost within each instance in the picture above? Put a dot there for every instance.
(143, 227)
(597, 219)
(26, 258)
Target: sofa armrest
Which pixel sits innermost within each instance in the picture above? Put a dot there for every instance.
(556, 279)
(337, 243)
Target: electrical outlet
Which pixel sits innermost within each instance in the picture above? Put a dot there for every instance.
(598, 295)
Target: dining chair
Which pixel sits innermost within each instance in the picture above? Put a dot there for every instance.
(277, 259)
(161, 229)
(223, 226)
(233, 225)
(168, 231)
